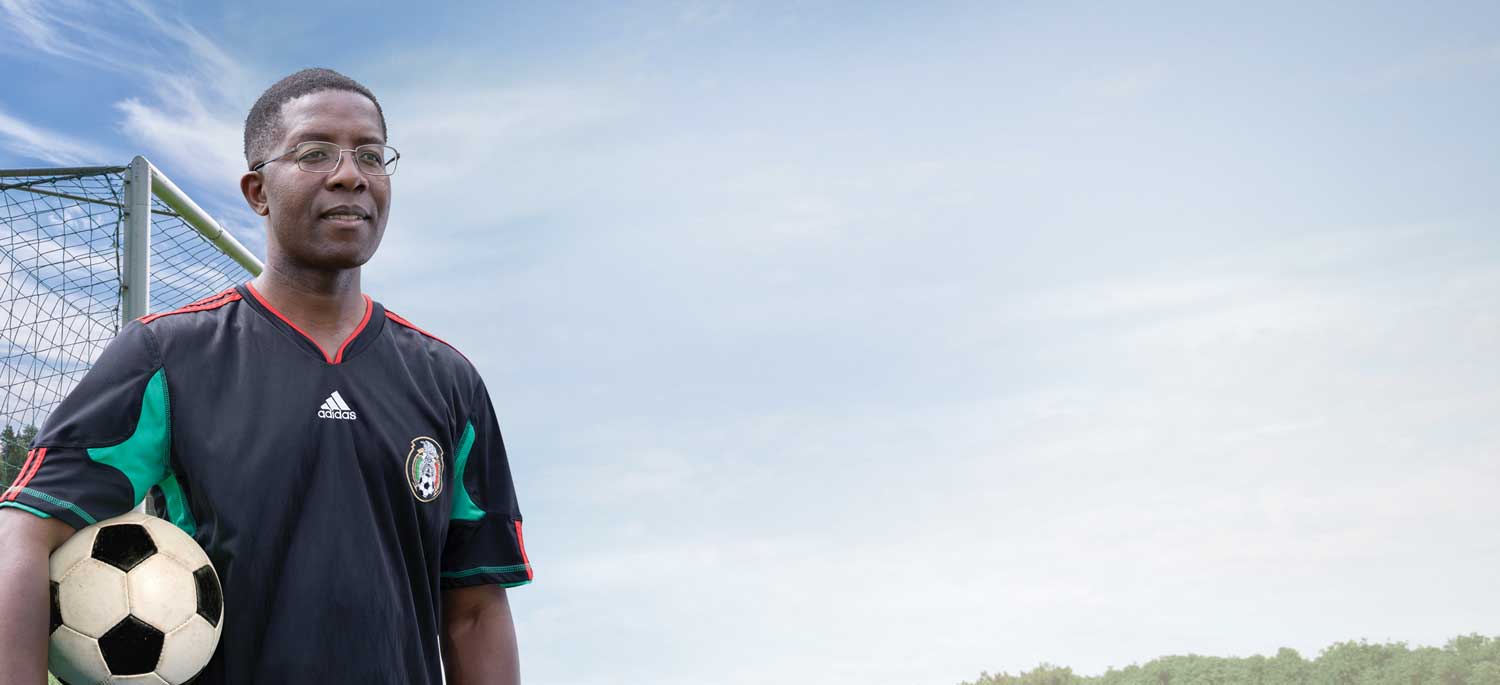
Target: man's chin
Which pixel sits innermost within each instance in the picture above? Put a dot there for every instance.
(337, 260)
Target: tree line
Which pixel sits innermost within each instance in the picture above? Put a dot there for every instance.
(1465, 660)
(13, 446)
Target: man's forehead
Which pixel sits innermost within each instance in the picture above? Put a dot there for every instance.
(331, 115)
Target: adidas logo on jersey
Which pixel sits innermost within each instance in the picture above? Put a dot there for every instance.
(336, 408)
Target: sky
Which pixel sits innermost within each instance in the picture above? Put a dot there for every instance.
(875, 342)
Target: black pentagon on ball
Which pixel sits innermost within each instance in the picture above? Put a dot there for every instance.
(132, 647)
(123, 545)
(210, 595)
(56, 610)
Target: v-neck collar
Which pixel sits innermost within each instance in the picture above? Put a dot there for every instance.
(368, 329)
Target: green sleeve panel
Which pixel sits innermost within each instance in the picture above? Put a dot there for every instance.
(464, 508)
(177, 507)
(142, 457)
(25, 508)
(49, 499)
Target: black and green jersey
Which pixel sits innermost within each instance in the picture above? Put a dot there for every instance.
(337, 492)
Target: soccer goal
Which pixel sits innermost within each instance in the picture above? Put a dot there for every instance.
(82, 251)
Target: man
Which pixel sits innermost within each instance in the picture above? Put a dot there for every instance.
(343, 469)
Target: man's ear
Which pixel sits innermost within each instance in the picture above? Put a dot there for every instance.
(253, 186)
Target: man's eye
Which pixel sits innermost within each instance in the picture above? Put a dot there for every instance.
(313, 155)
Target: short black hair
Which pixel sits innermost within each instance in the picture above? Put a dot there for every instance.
(263, 126)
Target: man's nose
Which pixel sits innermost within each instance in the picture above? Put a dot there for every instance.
(347, 174)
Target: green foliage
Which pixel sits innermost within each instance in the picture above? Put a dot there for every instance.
(1045, 674)
(1465, 660)
(13, 451)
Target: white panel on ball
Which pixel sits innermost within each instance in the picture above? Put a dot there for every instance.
(143, 679)
(170, 540)
(93, 597)
(75, 657)
(76, 549)
(162, 592)
(182, 652)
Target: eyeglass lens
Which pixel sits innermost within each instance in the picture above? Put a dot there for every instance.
(379, 160)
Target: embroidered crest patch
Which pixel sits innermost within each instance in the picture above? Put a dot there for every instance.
(424, 469)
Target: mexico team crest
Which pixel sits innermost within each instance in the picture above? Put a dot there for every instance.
(424, 469)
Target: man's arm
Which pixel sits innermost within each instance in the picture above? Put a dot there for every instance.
(479, 637)
(25, 602)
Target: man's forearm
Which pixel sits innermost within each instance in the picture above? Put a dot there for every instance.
(24, 602)
(481, 649)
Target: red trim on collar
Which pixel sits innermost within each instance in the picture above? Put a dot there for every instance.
(369, 307)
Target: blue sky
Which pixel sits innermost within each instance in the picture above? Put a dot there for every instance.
(891, 342)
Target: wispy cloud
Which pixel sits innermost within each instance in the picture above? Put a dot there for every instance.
(700, 13)
(189, 136)
(1432, 65)
(188, 116)
(55, 28)
(51, 147)
(1127, 83)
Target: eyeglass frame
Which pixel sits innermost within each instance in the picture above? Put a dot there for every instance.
(337, 163)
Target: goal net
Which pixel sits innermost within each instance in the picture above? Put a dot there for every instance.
(76, 262)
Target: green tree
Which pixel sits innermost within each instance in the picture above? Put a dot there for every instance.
(1356, 663)
(1044, 674)
(13, 448)
(1464, 660)
(1287, 668)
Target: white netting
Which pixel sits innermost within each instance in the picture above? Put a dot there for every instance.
(61, 245)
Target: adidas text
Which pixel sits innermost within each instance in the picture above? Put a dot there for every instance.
(337, 414)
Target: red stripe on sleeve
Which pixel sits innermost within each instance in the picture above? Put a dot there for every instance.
(521, 542)
(203, 305)
(15, 488)
(36, 464)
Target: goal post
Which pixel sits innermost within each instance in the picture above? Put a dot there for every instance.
(83, 250)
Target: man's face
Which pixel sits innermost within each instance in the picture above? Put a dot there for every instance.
(309, 213)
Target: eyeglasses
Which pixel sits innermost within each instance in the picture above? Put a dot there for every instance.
(324, 158)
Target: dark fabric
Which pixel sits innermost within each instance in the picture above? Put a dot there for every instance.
(102, 410)
(488, 550)
(331, 564)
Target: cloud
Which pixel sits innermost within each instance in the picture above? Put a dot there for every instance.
(1221, 440)
(704, 13)
(189, 137)
(56, 28)
(1127, 83)
(52, 147)
(188, 119)
(1431, 65)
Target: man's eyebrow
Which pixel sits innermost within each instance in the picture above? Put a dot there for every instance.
(302, 137)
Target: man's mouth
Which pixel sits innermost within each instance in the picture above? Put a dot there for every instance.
(346, 213)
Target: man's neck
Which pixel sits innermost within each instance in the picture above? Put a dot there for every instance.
(320, 300)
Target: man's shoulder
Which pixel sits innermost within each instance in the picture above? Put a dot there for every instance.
(412, 337)
(197, 313)
(189, 323)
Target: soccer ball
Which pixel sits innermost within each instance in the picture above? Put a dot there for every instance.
(134, 600)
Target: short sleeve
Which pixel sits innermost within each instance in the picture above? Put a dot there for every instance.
(108, 441)
(485, 544)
